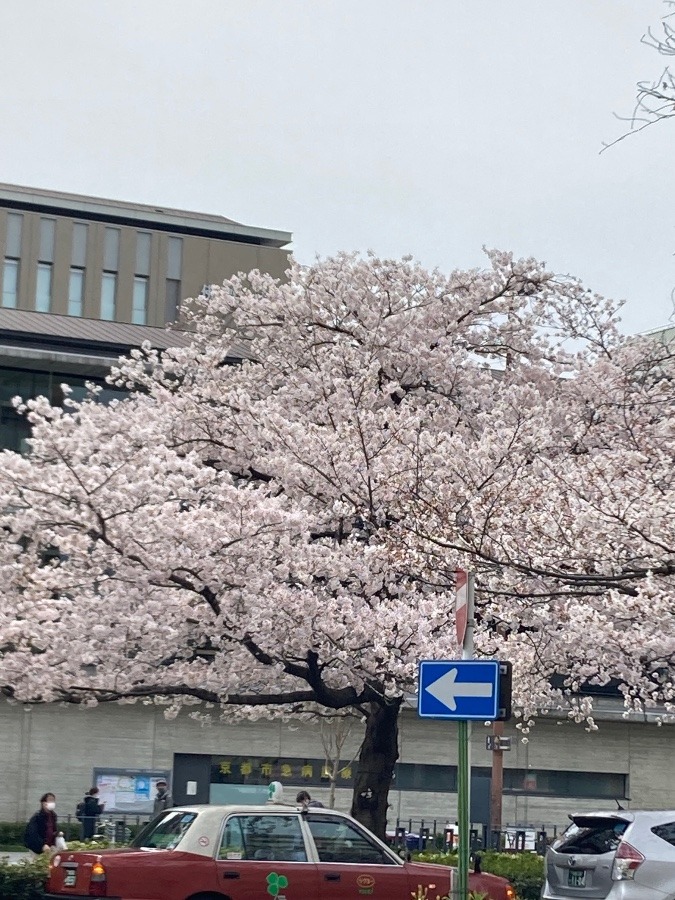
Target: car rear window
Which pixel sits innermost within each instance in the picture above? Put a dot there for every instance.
(666, 832)
(165, 832)
(592, 835)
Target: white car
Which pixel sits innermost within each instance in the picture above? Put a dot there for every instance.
(619, 855)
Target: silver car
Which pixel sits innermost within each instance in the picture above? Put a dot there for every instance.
(622, 855)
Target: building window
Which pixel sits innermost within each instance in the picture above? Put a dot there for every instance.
(79, 252)
(139, 309)
(43, 288)
(47, 228)
(10, 283)
(14, 225)
(78, 259)
(76, 292)
(10, 274)
(143, 242)
(111, 249)
(108, 292)
(111, 258)
(173, 278)
(15, 428)
(545, 782)
(172, 299)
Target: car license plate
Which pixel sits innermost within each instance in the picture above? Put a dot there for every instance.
(576, 877)
(70, 878)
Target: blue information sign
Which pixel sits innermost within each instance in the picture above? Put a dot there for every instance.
(458, 689)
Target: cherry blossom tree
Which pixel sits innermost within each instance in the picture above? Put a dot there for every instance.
(566, 511)
(279, 536)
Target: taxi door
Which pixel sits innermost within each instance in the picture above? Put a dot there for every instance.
(352, 864)
(264, 855)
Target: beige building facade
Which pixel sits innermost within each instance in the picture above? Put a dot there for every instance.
(125, 262)
(84, 279)
(560, 769)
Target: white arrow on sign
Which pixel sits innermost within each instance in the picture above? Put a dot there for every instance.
(446, 689)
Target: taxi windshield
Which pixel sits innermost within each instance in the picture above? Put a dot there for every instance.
(165, 832)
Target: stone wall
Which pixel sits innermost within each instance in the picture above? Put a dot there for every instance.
(56, 748)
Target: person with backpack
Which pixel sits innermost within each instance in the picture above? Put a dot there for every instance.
(87, 812)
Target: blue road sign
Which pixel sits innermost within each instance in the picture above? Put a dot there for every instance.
(458, 689)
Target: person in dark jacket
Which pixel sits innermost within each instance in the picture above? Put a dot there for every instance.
(42, 827)
(163, 799)
(91, 810)
(303, 799)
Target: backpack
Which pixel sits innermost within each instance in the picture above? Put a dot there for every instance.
(79, 811)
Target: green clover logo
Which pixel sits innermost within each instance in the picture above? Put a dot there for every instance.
(276, 883)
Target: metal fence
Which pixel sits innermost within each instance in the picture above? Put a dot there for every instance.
(410, 834)
(116, 829)
(434, 834)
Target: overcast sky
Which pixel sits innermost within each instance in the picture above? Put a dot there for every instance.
(430, 127)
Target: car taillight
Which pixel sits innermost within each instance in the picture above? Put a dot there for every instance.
(626, 862)
(510, 893)
(98, 886)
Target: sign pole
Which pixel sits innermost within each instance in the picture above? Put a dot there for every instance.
(464, 752)
(463, 770)
(462, 691)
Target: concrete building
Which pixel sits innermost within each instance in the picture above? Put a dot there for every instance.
(122, 262)
(82, 280)
(560, 769)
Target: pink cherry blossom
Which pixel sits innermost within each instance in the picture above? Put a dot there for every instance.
(279, 536)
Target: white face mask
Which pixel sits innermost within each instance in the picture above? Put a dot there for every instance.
(50, 805)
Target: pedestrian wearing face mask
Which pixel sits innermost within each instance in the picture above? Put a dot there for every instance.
(163, 799)
(42, 829)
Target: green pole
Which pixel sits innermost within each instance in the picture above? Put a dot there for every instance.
(462, 891)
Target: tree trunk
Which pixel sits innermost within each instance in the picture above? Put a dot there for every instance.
(375, 772)
(331, 794)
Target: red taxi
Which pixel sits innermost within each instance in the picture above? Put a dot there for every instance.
(247, 852)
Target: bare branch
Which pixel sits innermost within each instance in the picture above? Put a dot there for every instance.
(655, 100)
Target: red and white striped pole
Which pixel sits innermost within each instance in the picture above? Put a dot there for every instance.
(464, 611)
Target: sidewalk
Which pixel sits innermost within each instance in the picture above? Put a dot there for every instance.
(15, 857)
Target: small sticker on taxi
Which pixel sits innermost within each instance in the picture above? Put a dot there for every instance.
(365, 884)
(276, 884)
